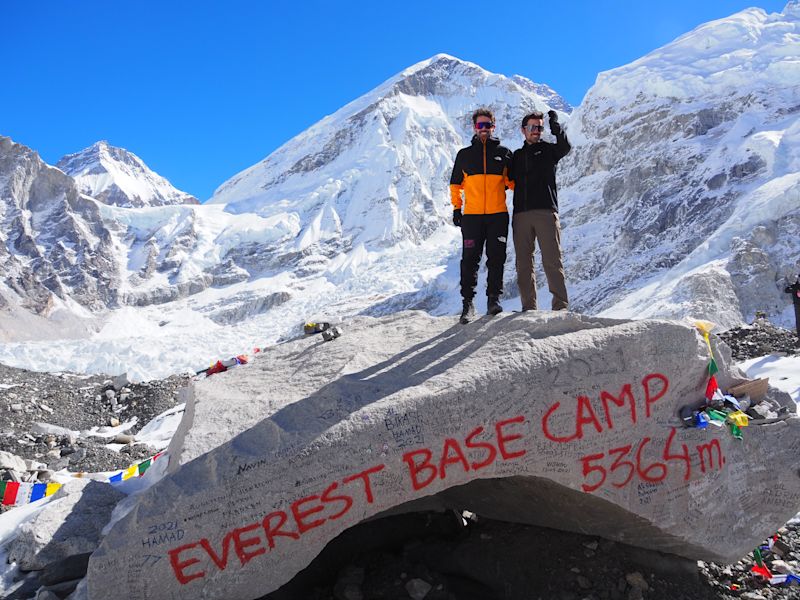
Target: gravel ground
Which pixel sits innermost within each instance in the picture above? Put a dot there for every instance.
(759, 339)
(77, 402)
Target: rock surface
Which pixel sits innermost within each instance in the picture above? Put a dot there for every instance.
(550, 419)
(69, 525)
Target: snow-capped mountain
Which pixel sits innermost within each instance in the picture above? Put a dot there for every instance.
(377, 171)
(682, 196)
(119, 177)
(58, 265)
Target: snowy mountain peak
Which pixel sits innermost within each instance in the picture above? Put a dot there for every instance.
(749, 49)
(117, 176)
(375, 172)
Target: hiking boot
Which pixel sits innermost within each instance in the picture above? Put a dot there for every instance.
(493, 306)
(468, 312)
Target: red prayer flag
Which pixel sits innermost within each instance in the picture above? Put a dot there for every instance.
(711, 387)
(10, 497)
(763, 571)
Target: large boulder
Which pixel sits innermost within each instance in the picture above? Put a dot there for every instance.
(545, 418)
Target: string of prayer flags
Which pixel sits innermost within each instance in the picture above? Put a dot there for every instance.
(17, 493)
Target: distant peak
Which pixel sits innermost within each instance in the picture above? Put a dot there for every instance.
(441, 58)
(99, 145)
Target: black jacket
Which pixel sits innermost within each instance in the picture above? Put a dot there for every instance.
(534, 174)
(481, 173)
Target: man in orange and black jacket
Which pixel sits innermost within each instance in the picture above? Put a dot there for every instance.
(481, 173)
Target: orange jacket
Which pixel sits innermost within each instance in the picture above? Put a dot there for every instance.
(481, 173)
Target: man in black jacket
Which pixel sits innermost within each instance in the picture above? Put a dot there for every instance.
(478, 194)
(536, 209)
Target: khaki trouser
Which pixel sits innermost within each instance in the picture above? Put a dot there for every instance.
(528, 226)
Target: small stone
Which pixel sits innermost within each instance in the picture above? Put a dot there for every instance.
(123, 438)
(417, 588)
(584, 582)
(781, 548)
(591, 545)
(12, 461)
(110, 395)
(634, 594)
(637, 580)
(575, 570)
(114, 422)
(32, 465)
(17, 407)
(347, 591)
(121, 381)
(46, 408)
(780, 566)
(77, 456)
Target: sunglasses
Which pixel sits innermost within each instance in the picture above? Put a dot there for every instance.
(532, 128)
(483, 125)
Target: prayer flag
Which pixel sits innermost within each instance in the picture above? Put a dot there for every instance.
(38, 491)
(143, 466)
(10, 496)
(711, 387)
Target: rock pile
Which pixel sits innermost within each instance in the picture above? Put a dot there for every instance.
(50, 422)
(759, 339)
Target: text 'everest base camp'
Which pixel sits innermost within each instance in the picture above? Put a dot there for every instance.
(554, 419)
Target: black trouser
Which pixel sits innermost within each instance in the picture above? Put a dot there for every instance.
(475, 230)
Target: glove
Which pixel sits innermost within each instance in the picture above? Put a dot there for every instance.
(555, 128)
(457, 217)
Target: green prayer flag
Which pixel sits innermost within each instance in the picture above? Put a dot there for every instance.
(143, 466)
(2, 490)
(712, 367)
(757, 555)
(716, 415)
(736, 432)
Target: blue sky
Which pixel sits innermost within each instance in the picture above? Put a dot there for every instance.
(201, 90)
